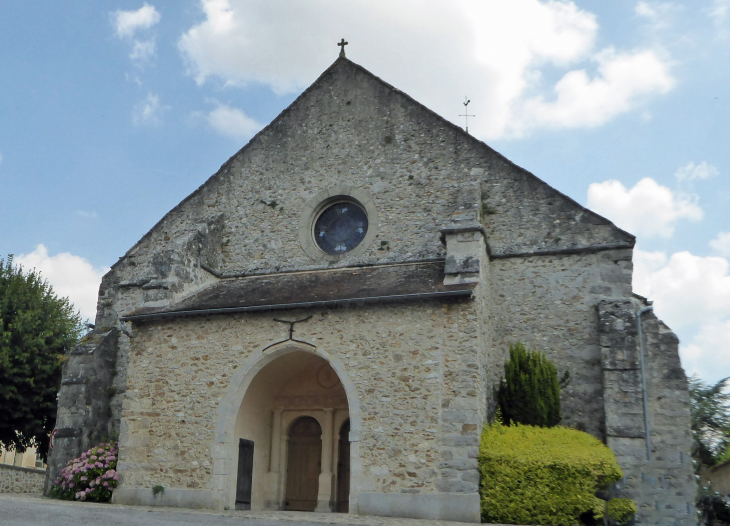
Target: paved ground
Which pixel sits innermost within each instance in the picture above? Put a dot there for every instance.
(34, 510)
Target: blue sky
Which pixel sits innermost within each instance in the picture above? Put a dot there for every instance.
(111, 113)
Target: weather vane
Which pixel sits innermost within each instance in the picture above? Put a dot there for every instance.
(342, 45)
(466, 114)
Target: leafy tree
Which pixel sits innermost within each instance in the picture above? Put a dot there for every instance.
(37, 329)
(710, 414)
(712, 507)
(529, 393)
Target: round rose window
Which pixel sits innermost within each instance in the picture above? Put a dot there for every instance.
(340, 227)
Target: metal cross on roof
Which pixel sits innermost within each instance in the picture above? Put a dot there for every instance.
(342, 45)
(466, 114)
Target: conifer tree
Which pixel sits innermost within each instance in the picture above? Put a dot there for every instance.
(529, 393)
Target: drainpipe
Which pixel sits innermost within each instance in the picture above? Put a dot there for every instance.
(643, 381)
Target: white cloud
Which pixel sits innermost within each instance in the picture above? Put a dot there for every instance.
(687, 289)
(71, 276)
(127, 23)
(1, 158)
(719, 16)
(721, 244)
(495, 52)
(133, 78)
(149, 111)
(87, 215)
(696, 172)
(646, 9)
(657, 14)
(646, 210)
(142, 51)
(584, 102)
(708, 354)
(232, 122)
(692, 295)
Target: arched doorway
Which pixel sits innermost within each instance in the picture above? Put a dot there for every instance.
(304, 463)
(343, 469)
(293, 405)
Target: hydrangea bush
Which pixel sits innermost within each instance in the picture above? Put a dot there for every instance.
(92, 476)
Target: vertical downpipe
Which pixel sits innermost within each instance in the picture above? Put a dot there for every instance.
(643, 381)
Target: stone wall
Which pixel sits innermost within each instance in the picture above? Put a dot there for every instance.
(85, 416)
(14, 479)
(412, 163)
(414, 366)
(658, 475)
(423, 372)
(348, 130)
(549, 304)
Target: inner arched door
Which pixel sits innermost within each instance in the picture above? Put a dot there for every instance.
(304, 464)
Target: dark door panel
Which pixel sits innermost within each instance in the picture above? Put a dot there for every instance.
(244, 481)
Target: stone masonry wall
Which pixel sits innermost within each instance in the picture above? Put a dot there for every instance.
(552, 262)
(348, 129)
(414, 366)
(84, 415)
(549, 304)
(663, 487)
(14, 479)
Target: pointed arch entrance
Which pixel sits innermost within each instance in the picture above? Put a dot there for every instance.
(286, 385)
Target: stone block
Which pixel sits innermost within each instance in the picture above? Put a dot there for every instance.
(433, 506)
(456, 486)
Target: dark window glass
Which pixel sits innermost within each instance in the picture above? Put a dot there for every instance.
(340, 228)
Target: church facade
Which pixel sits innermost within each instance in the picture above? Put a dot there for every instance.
(321, 324)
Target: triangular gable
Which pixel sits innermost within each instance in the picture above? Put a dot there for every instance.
(522, 214)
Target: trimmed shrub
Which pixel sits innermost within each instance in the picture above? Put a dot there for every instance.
(533, 475)
(622, 510)
(529, 393)
(92, 476)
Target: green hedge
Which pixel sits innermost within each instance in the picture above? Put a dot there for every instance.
(622, 510)
(533, 475)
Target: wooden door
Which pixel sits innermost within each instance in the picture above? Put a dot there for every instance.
(244, 481)
(343, 470)
(304, 464)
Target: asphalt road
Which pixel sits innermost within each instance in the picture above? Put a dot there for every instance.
(28, 511)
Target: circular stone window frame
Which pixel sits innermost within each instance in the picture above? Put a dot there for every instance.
(316, 205)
